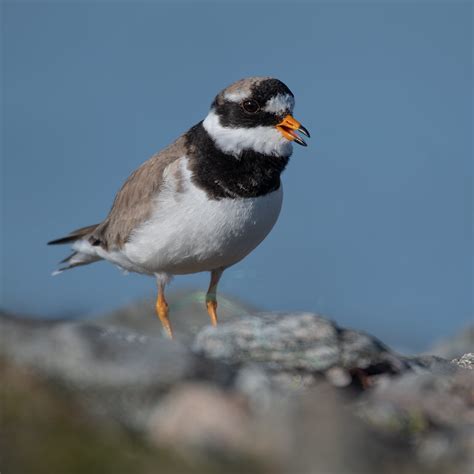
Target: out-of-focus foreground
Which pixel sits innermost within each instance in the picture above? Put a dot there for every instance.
(262, 393)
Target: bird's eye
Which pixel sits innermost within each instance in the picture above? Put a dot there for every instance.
(251, 106)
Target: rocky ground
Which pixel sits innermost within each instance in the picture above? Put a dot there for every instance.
(262, 393)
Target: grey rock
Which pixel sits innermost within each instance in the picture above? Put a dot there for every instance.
(88, 355)
(117, 372)
(466, 361)
(256, 385)
(280, 341)
(325, 436)
(433, 411)
(294, 390)
(442, 400)
(298, 342)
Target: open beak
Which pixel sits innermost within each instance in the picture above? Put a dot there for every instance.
(288, 128)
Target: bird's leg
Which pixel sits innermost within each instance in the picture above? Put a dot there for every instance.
(161, 308)
(211, 300)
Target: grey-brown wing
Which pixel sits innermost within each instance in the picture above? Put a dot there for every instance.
(133, 203)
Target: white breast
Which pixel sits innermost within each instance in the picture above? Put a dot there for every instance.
(188, 232)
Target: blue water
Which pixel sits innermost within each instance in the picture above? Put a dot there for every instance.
(376, 229)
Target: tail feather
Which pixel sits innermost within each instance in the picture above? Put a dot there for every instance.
(74, 235)
(77, 258)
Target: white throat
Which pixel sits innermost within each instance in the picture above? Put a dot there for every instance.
(265, 140)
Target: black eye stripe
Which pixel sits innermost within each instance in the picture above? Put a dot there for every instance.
(233, 115)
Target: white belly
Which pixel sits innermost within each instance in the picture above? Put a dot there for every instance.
(189, 233)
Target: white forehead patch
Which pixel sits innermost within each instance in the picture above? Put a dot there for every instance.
(280, 103)
(236, 96)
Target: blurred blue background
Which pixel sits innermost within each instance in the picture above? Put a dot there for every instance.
(376, 225)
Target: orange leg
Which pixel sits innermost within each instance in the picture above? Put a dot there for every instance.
(161, 308)
(211, 300)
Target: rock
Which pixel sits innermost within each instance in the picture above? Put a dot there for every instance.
(85, 355)
(466, 361)
(435, 412)
(416, 408)
(299, 343)
(311, 432)
(47, 430)
(202, 418)
(325, 435)
(279, 393)
(119, 373)
(286, 341)
(256, 385)
(436, 400)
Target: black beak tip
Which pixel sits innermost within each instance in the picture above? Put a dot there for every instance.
(304, 131)
(300, 141)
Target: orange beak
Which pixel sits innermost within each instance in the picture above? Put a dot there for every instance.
(288, 128)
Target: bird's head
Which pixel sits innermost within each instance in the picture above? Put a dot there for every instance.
(255, 114)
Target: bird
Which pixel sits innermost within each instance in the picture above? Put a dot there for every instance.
(206, 201)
